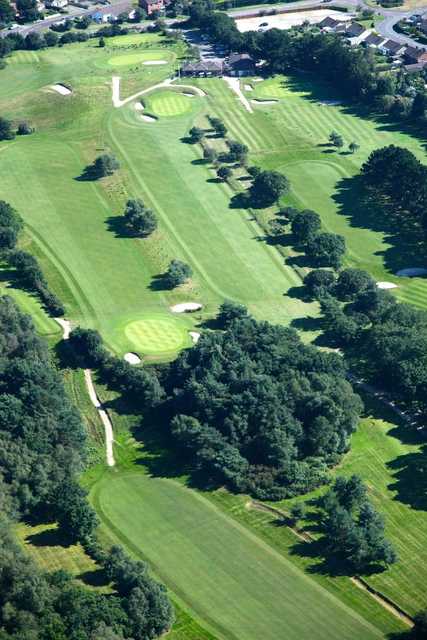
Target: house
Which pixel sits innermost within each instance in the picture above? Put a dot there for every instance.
(203, 68)
(150, 6)
(374, 41)
(392, 48)
(240, 64)
(56, 4)
(422, 25)
(328, 24)
(413, 55)
(356, 33)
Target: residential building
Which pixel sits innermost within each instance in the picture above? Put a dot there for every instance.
(56, 4)
(413, 55)
(374, 41)
(392, 48)
(150, 6)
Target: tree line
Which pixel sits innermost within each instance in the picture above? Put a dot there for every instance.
(26, 265)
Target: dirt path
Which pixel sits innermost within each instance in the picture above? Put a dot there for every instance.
(359, 582)
(234, 84)
(105, 419)
(117, 102)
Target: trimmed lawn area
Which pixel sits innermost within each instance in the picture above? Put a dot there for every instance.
(231, 580)
(168, 103)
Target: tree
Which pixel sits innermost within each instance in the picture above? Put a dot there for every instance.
(326, 249)
(178, 272)
(209, 154)
(353, 147)
(319, 282)
(139, 220)
(224, 173)
(298, 511)
(336, 139)
(305, 225)
(34, 41)
(352, 282)
(238, 152)
(10, 226)
(27, 9)
(230, 311)
(268, 187)
(51, 39)
(101, 42)
(254, 171)
(419, 631)
(218, 126)
(24, 129)
(6, 131)
(196, 134)
(105, 165)
(75, 516)
(6, 12)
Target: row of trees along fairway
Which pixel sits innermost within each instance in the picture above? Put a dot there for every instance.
(26, 265)
(42, 452)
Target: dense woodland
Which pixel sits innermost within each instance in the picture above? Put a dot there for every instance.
(42, 452)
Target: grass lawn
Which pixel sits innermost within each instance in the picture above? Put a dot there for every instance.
(230, 579)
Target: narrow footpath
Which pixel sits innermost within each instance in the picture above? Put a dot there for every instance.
(105, 418)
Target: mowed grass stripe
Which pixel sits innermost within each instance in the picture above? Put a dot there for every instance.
(222, 571)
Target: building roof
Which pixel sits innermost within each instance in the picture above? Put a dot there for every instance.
(328, 22)
(374, 40)
(393, 46)
(414, 53)
(240, 60)
(415, 68)
(203, 65)
(354, 30)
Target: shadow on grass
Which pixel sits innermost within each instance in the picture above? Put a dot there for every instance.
(410, 479)
(117, 225)
(49, 538)
(95, 578)
(404, 239)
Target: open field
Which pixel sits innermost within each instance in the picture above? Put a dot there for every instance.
(226, 576)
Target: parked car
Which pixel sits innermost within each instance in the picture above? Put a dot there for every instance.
(263, 24)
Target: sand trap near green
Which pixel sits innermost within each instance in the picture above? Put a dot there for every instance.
(127, 59)
(169, 103)
(157, 335)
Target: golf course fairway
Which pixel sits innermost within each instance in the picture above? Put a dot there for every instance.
(237, 585)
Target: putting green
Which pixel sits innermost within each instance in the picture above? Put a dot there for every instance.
(169, 103)
(134, 58)
(157, 335)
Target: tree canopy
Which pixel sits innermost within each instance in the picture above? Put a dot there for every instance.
(255, 408)
(140, 220)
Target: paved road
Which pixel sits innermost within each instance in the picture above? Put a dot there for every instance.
(384, 28)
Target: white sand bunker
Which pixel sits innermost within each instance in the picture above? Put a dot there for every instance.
(330, 103)
(188, 94)
(132, 358)
(195, 335)
(149, 62)
(186, 307)
(257, 79)
(248, 87)
(256, 101)
(148, 118)
(386, 285)
(62, 89)
(139, 106)
(412, 273)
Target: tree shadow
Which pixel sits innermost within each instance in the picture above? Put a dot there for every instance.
(88, 175)
(410, 479)
(49, 538)
(94, 578)
(117, 225)
(404, 239)
(159, 283)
